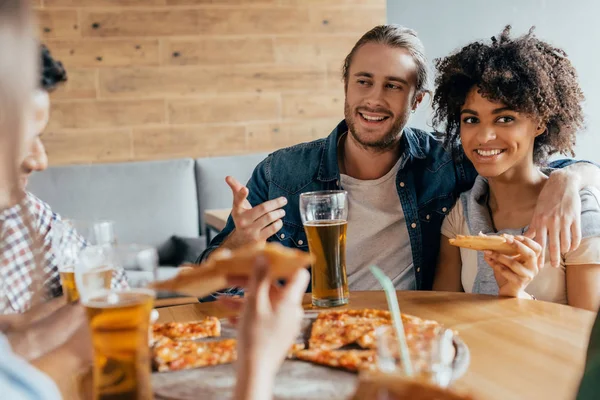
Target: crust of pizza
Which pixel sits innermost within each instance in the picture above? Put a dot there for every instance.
(296, 347)
(208, 327)
(482, 242)
(351, 360)
(204, 279)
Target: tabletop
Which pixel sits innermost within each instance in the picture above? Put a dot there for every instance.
(217, 218)
(520, 349)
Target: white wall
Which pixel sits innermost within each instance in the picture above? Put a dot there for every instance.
(573, 25)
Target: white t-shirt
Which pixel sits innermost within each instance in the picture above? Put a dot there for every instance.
(550, 283)
(377, 233)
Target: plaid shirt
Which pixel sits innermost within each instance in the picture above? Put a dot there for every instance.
(17, 259)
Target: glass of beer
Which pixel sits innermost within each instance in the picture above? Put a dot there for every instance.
(119, 322)
(93, 270)
(69, 237)
(325, 219)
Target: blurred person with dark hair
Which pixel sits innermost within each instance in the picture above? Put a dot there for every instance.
(18, 379)
(16, 258)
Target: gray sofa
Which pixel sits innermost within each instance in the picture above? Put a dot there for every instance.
(158, 203)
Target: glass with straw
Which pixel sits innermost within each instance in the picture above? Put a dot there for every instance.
(428, 360)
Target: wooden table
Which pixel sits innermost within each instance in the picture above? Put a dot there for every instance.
(520, 349)
(215, 220)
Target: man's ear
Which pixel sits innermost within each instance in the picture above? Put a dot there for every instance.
(41, 106)
(418, 99)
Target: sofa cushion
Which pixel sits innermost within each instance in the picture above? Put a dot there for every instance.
(213, 192)
(149, 201)
(180, 250)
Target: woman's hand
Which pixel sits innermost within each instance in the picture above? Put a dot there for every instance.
(515, 273)
(270, 321)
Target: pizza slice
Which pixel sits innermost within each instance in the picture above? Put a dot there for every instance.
(350, 360)
(202, 280)
(483, 242)
(171, 355)
(208, 327)
(336, 329)
(417, 331)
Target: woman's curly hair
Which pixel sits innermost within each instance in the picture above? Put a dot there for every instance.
(52, 71)
(526, 74)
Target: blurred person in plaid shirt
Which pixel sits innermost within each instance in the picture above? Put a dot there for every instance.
(16, 255)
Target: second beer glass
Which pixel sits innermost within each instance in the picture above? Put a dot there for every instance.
(325, 218)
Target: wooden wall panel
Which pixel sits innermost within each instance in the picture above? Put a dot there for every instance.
(89, 146)
(102, 3)
(220, 2)
(266, 136)
(106, 53)
(81, 84)
(188, 141)
(155, 79)
(345, 20)
(220, 109)
(58, 23)
(313, 105)
(90, 114)
(314, 50)
(173, 81)
(224, 51)
(194, 21)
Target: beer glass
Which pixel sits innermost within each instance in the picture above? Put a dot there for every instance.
(120, 322)
(325, 218)
(69, 237)
(431, 358)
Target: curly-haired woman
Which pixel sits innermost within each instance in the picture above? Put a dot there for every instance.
(511, 103)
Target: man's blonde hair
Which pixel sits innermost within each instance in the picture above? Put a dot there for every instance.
(394, 36)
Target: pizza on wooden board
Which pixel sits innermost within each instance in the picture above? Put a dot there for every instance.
(334, 330)
(174, 347)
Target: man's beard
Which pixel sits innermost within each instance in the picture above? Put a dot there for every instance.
(387, 142)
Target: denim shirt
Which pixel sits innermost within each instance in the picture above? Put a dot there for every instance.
(429, 181)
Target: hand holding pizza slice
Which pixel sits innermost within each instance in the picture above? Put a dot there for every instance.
(514, 274)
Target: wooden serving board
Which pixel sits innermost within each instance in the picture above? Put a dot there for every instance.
(296, 379)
